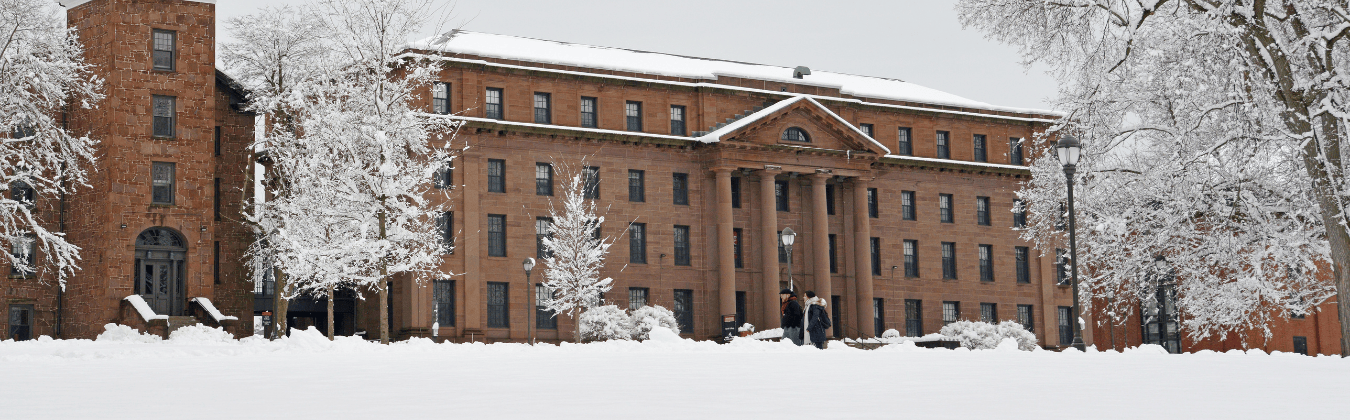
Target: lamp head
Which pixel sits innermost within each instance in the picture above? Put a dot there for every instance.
(528, 264)
(1069, 150)
(789, 236)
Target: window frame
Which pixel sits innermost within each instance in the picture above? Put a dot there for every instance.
(443, 301)
(944, 144)
(543, 186)
(544, 318)
(981, 146)
(543, 115)
(780, 195)
(913, 318)
(795, 135)
(873, 210)
(155, 50)
(1022, 256)
(949, 261)
(440, 98)
(497, 180)
(684, 310)
(591, 183)
(169, 123)
(1019, 212)
(498, 314)
(678, 126)
(829, 199)
(497, 235)
(953, 308)
(905, 143)
(17, 252)
(834, 253)
(911, 252)
(737, 236)
(636, 294)
(946, 210)
(170, 185)
(735, 192)
(907, 206)
(989, 312)
(632, 112)
(589, 119)
(1065, 325)
(682, 251)
(494, 110)
(637, 243)
(982, 211)
(1015, 152)
(867, 129)
(637, 186)
(679, 186)
(543, 228)
(874, 243)
(445, 223)
(1026, 315)
(986, 262)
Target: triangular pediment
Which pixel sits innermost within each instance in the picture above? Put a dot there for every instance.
(823, 128)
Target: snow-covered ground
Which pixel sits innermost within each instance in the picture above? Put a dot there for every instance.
(200, 375)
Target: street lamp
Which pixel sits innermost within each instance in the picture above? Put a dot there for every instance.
(528, 265)
(1069, 151)
(788, 238)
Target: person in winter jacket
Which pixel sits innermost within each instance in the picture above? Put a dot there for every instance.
(792, 316)
(817, 319)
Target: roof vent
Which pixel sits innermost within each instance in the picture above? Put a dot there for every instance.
(800, 71)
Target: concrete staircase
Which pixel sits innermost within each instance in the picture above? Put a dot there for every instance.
(176, 322)
(738, 117)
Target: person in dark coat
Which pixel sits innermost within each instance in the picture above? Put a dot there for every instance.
(817, 319)
(792, 316)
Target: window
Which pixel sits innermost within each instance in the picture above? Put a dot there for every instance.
(782, 250)
(1026, 317)
(829, 199)
(876, 256)
(633, 113)
(496, 235)
(837, 315)
(215, 199)
(982, 210)
(543, 317)
(446, 224)
(20, 191)
(440, 98)
(216, 140)
(1019, 213)
(637, 243)
(1061, 269)
(913, 318)
(164, 49)
(445, 176)
(736, 238)
(796, 134)
(680, 187)
(637, 189)
(543, 229)
(677, 120)
(944, 149)
(780, 195)
(24, 250)
(906, 145)
(496, 305)
(989, 312)
(736, 192)
(161, 182)
(1301, 345)
(637, 297)
(740, 308)
(878, 316)
(1015, 151)
(165, 111)
(951, 312)
(591, 189)
(945, 206)
(907, 205)
(1062, 220)
(543, 179)
(911, 258)
(543, 108)
(20, 322)
(834, 250)
(682, 245)
(1023, 265)
(588, 112)
(949, 260)
(872, 210)
(866, 129)
(215, 261)
(496, 175)
(981, 154)
(444, 295)
(684, 310)
(986, 262)
(1065, 326)
(493, 109)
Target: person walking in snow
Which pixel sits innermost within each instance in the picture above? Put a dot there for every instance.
(792, 316)
(817, 319)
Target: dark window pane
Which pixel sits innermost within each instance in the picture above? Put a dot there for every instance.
(1015, 151)
(637, 297)
(493, 106)
(444, 296)
(165, 111)
(588, 112)
(796, 134)
(445, 176)
(543, 179)
(637, 243)
(944, 150)
(780, 191)
(986, 263)
(496, 175)
(543, 108)
(907, 205)
(980, 150)
(1019, 214)
(736, 192)
(829, 199)
(834, 249)
(543, 229)
(876, 256)
(945, 205)
(989, 313)
(446, 225)
(592, 182)
(633, 115)
(1065, 326)
(982, 210)
(162, 180)
(878, 316)
(637, 188)
(544, 318)
(677, 120)
(906, 145)
(497, 300)
(866, 129)
(872, 207)
(684, 310)
(913, 318)
(736, 237)
(1023, 266)
(682, 245)
(911, 258)
(680, 187)
(1026, 317)
(496, 235)
(164, 48)
(440, 98)
(948, 260)
(951, 312)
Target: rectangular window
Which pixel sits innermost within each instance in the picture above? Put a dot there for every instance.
(986, 262)
(1061, 266)
(680, 188)
(445, 176)
(162, 180)
(866, 129)
(440, 98)
(20, 322)
(543, 317)
(496, 175)
(1019, 213)
(677, 120)
(21, 192)
(951, 312)
(23, 249)
(497, 298)
(1023, 265)
(684, 310)
(872, 210)
(682, 245)
(949, 260)
(740, 308)
(878, 316)
(911, 258)
(637, 297)
(907, 205)
(215, 261)
(165, 49)
(216, 139)
(876, 256)
(1301, 345)
(982, 210)
(829, 199)
(989, 312)
(782, 250)
(906, 145)
(780, 195)
(945, 206)
(543, 179)
(165, 110)
(944, 149)
(588, 112)
(736, 238)
(592, 183)
(493, 109)
(637, 187)
(632, 112)
(736, 192)
(1062, 221)
(1026, 317)
(1065, 326)
(637, 243)
(446, 225)
(543, 108)
(215, 199)
(837, 315)
(981, 154)
(913, 318)
(496, 235)
(543, 229)
(444, 295)
(1015, 151)
(834, 252)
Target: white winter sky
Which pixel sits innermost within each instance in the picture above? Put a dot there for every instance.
(918, 41)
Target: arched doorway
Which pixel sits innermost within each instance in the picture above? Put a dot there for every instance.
(161, 255)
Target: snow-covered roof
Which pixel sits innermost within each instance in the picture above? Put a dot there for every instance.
(73, 3)
(671, 65)
(716, 136)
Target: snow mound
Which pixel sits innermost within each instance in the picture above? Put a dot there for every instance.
(1008, 344)
(307, 339)
(201, 334)
(1146, 349)
(891, 333)
(122, 333)
(663, 335)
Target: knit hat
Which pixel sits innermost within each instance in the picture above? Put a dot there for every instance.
(787, 292)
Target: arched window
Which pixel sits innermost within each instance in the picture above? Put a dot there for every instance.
(796, 134)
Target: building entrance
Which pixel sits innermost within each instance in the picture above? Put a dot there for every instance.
(160, 265)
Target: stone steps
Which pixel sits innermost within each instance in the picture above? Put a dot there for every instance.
(176, 322)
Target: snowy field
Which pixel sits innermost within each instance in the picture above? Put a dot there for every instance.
(199, 375)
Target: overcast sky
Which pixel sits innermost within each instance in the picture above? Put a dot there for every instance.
(918, 41)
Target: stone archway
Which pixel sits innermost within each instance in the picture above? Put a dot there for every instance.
(161, 262)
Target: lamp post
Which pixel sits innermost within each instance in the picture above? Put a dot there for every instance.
(528, 265)
(788, 238)
(1069, 151)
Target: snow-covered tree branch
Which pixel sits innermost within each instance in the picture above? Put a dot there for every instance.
(575, 252)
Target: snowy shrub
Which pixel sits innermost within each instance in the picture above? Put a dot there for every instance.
(652, 316)
(604, 323)
(891, 333)
(200, 334)
(984, 336)
(118, 332)
(747, 327)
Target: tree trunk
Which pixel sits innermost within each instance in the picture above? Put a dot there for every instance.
(578, 328)
(331, 297)
(384, 292)
(279, 304)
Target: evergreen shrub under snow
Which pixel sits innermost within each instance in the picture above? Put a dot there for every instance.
(604, 323)
(651, 316)
(984, 336)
